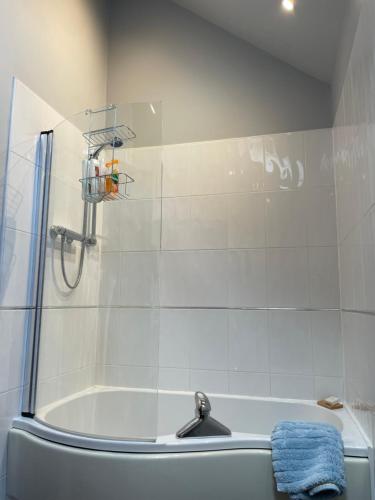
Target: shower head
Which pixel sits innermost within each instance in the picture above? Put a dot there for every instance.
(116, 142)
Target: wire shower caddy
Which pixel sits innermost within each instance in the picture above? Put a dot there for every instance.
(114, 184)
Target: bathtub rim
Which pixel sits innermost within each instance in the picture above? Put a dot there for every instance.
(169, 443)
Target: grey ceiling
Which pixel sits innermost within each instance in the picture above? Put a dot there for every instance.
(307, 39)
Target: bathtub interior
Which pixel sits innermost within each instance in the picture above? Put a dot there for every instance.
(112, 413)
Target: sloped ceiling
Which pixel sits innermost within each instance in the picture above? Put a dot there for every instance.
(308, 39)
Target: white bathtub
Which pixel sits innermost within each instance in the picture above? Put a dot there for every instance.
(124, 434)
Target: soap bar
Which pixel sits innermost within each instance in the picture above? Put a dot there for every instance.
(326, 403)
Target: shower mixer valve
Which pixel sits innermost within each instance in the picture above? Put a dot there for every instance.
(203, 425)
(70, 236)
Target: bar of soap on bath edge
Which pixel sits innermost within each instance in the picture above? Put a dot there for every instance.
(332, 403)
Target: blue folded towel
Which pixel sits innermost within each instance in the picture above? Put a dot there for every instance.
(308, 460)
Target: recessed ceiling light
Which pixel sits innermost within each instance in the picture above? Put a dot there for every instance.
(288, 5)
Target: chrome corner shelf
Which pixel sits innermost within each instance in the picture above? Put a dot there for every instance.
(103, 188)
(109, 135)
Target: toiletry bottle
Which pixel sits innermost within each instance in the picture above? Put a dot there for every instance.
(115, 176)
(108, 177)
(112, 177)
(93, 171)
(102, 178)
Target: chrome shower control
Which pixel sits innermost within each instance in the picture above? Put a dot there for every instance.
(203, 425)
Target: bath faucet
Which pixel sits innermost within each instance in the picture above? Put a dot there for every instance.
(203, 425)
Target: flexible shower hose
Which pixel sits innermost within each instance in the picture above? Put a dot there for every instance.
(81, 260)
(82, 256)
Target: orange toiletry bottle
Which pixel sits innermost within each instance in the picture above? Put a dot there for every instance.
(112, 176)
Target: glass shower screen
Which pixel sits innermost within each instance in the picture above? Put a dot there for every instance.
(98, 353)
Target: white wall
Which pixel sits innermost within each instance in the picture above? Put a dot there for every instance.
(244, 226)
(59, 49)
(354, 154)
(212, 84)
(348, 31)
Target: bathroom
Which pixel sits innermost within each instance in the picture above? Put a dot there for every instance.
(186, 230)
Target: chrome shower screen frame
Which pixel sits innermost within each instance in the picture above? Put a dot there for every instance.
(36, 285)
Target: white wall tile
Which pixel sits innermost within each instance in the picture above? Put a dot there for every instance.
(176, 224)
(173, 379)
(198, 222)
(352, 272)
(225, 166)
(328, 386)
(287, 277)
(194, 338)
(56, 293)
(74, 342)
(12, 337)
(319, 160)
(249, 384)
(247, 278)
(130, 376)
(209, 222)
(286, 219)
(66, 205)
(359, 344)
(110, 279)
(367, 256)
(248, 341)
(112, 224)
(290, 345)
(174, 348)
(130, 337)
(137, 222)
(323, 277)
(176, 170)
(292, 386)
(246, 220)
(208, 168)
(50, 349)
(71, 342)
(15, 269)
(208, 339)
(140, 279)
(145, 166)
(68, 342)
(284, 161)
(194, 279)
(327, 344)
(244, 165)
(209, 381)
(20, 203)
(69, 149)
(321, 216)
